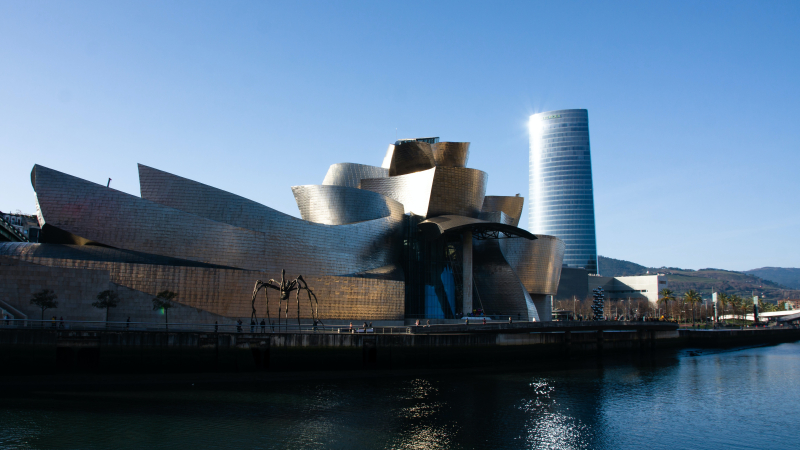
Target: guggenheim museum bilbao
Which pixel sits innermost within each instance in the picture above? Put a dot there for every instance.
(414, 238)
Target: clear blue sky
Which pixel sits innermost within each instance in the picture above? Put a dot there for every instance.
(693, 106)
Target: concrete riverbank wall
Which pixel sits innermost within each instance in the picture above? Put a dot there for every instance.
(32, 351)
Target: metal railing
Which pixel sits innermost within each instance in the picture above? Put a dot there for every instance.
(100, 325)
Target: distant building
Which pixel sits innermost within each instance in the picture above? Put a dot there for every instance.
(26, 225)
(631, 288)
(579, 283)
(792, 304)
(561, 193)
(429, 140)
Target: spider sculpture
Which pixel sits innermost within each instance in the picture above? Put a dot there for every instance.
(285, 287)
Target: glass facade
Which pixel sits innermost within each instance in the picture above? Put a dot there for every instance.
(561, 194)
(432, 271)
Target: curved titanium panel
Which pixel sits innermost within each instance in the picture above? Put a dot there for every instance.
(387, 159)
(537, 263)
(435, 192)
(412, 190)
(457, 191)
(40, 253)
(561, 194)
(224, 291)
(210, 228)
(450, 154)
(497, 216)
(499, 290)
(437, 226)
(410, 157)
(339, 205)
(512, 206)
(350, 174)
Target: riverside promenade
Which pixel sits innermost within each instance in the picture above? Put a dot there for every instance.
(54, 350)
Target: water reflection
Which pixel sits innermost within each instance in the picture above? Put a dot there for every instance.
(726, 399)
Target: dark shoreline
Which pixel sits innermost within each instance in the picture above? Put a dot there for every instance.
(35, 359)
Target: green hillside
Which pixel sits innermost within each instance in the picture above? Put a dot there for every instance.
(788, 277)
(703, 280)
(610, 267)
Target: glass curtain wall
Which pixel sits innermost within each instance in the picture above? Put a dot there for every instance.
(561, 194)
(433, 273)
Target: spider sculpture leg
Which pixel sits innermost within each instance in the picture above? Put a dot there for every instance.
(310, 293)
(297, 296)
(266, 286)
(256, 288)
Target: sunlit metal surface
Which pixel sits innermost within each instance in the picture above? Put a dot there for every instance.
(350, 174)
(562, 198)
(435, 192)
(499, 289)
(537, 263)
(222, 291)
(411, 156)
(200, 223)
(339, 205)
(512, 206)
(457, 191)
(450, 154)
(387, 159)
(413, 191)
(497, 216)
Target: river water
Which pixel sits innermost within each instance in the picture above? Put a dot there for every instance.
(732, 399)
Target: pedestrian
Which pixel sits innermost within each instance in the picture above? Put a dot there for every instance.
(239, 325)
(370, 324)
(351, 327)
(365, 325)
(509, 319)
(263, 326)
(61, 325)
(417, 323)
(216, 326)
(484, 320)
(128, 323)
(466, 321)
(428, 323)
(252, 326)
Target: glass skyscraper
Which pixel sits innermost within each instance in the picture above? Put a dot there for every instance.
(561, 194)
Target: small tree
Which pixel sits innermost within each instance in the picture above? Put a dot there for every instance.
(666, 296)
(738, 304)
(106, 299)
(722, 301)
(693, 297)
(163, 301)
(45, 299)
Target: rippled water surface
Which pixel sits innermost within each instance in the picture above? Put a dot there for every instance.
(743, 399)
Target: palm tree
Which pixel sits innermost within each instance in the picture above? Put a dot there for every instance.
(738, 303)
(693, 297)
(163, 301)
(105, 300)
(666, 296)
(722, 300)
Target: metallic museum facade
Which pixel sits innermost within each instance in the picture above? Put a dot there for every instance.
(562, 197)
(414, 238)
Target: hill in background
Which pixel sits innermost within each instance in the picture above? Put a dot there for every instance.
(704, 280)
(785, 276)
(610, 267)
